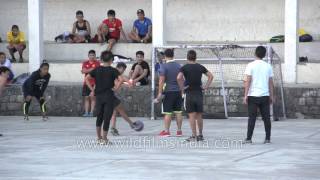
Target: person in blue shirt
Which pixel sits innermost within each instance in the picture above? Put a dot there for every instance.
(142, 29)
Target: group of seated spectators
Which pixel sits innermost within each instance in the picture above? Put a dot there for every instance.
(109, 31)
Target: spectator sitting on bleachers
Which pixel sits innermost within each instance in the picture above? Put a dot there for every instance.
(142, 29)
(4, 61)
(81, 27)
(110, 29)
(140, 71)
(16, 40)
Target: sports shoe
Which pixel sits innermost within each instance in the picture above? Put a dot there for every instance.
(85, 115)
(191, 139)
(104, 142)
(179, 133)
(267, 141)
(164, 133)
(45, 118)
(26, 118)
(200, 138)
(247, 141)
(114, 132)
(90, 114)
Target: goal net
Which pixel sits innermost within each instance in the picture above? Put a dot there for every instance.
(227, 63)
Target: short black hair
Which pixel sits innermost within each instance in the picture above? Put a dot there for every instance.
(15, 27)
(261, 52)
(140, 11)
(106, 56)
(2, 53)
(111, 12)
(44, 64)
(79, 12)
(4, 69)
(140, 52)
(92, 52)
(192, 55)
(169, 53)
(122, 65)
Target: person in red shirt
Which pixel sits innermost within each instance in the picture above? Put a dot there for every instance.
(110, 30)
(87, 67)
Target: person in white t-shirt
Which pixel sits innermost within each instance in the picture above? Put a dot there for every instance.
(258, 93)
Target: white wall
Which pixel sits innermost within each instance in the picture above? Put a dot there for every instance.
(59, 15)
(187, 20)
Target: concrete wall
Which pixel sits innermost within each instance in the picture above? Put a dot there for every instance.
(67, 101)
(187, 20)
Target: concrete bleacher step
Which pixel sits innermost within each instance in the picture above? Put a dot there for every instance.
(79, 52)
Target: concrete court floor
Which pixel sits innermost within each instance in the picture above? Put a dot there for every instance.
(65, 148)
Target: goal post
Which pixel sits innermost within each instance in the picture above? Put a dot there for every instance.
(227, 62)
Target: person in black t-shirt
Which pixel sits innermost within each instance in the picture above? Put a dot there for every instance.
(140, 70)
(192, 74)
(107, 81)
(35, 86)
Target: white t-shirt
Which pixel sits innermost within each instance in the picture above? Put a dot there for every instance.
(260, 72)
(7, 64)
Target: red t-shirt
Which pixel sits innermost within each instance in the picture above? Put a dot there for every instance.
(88, 65)
(114, 27)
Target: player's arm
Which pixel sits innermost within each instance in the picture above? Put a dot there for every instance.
(144, 74)
(161, 85)
(74, 28)
(148, 35)
(247, 84)
(271, 90)
(88, 27)
(117, 83)
(209, 81)
(180, 80)
(86, 71)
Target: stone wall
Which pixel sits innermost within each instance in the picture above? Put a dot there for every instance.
(66, 100)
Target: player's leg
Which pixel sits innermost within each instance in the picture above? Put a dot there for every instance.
(138, 70)
(92, 105)
(99, 121)
(178, 112)
(27, 101)
(198, 97)
(134, 36)
(124, 115)
(20, 48)
(85, 93)
(12, 50)
(111, 43)
(114, 131)
(264, 108)
(191, 110)
(252, 112)
(43, 108)
(167, 111)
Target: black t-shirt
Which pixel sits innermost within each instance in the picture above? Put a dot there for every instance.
(35, 84)
(144, 65)
(193, 75)
(104, 77)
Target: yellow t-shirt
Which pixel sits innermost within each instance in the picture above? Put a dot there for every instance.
(15, 39)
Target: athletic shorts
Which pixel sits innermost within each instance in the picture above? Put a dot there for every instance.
(144, 81)
(85, 90)
(33, 94)
(172, 103)
(194, 102)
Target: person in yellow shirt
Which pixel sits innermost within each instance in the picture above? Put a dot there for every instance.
(16, 40)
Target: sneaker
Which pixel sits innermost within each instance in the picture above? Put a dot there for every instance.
(20, 60)
(191, 139)
(267, 141)
(105, 142)
(85, 115)
(13, 60)
(90, 114)
(114, 132)
(26, 118)
(200, 138)
(164, 133)
(179, 133)
(247, 141)
(45, 118)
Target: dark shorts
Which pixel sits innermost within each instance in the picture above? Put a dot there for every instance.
(144, 81)
(107, 38)
(194, 102)
(85, 90)
(33, 94)
(172, 103)
(14, 49)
